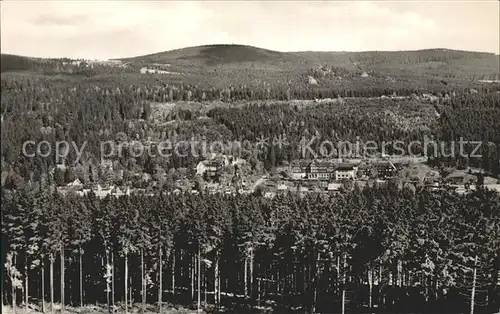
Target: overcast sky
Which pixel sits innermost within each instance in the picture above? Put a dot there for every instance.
(109, 29)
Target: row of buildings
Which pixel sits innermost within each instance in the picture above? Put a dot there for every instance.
(78, 188)
(325, 170)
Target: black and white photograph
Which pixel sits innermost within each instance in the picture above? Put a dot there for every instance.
(260, 157)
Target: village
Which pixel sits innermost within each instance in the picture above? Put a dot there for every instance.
(226, 174)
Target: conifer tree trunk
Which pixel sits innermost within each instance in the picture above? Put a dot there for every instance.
(338, 274)
(143, 284)
(199, 278)
(126, 283)
(473, 293)
(51, 270)
(173, 272)
(81, 276)
(112, 280)
(205, 283)
(344, 273)
(316, 283)
(380, 298)
(193, 263)
(43, 285)
(251, 271)
(219, 286)
(13, 287)
(26, 297)
(278, 282)
(370, 285)
(160, 279)
(108, 282)
(258, 292)
(62, 279)
(245, 275)
(400, 270)
(130, 296)
(216, 280)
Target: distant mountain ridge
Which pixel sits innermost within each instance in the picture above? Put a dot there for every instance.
(241, 64)
(243, 53)
(449, 62)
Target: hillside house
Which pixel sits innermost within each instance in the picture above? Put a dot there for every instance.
(209, 169)
(320, 170)
(385, 169)
(346, 172)
(334, 187)
(298, 169)
(460, 178)
(269, 194)
(76, 183)
(493, 187)
(282, 187)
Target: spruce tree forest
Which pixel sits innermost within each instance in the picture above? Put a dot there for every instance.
(399, 250)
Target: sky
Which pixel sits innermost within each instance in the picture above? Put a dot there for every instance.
(112, 29)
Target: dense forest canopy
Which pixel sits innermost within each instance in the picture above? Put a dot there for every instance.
(93, 110)
(400, 249)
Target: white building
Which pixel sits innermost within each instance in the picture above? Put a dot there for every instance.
(345, 172)
(76, 183)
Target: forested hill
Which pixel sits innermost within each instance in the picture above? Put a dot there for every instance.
(443, 62)
(222, 54)
(233, 65)
(10, 63)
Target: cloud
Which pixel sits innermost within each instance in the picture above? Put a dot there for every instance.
(105, 29)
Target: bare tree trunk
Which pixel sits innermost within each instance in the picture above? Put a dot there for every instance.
(143, 284)
(258, 292)
(81, 276)
(473, 293)
(344, 273)
(160, 279)
(43, 285)
(130, 296)
(113, 280)
(219, 285)
(399, 273)
(205, 283)
(370, 285)
(199, 278)
(173, 272)
(108, 282)
(26, 297)
(278, 282)
(316, 283)
(380, 298)
(126, 282)
(436, 287)
(51, 270)
(13, 287)
(62, 279)
(245, 274)
(251, 271)
(193, 265)
(216, 280)
(338, 274)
